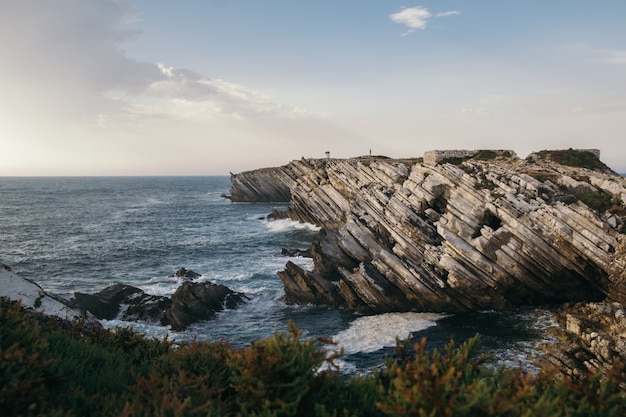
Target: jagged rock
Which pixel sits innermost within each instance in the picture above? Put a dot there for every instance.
(591, 336)
(185, 274)
(491, 231)
(304, 287)
(193, 302)
(124, 302)
(262, 186)
(293, 252)
(32, 296)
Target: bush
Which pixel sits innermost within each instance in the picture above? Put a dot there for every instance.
(575, 158)
(46, 370)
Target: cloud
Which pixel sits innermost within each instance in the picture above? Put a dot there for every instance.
(412, 17)
(72, 50)
(222, 96)
(417, 17)
(446, 14)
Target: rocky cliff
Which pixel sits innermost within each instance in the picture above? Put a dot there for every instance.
(454, 231)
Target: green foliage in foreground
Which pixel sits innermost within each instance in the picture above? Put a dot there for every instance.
(46, 370)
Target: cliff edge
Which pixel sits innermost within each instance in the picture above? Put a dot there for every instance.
(453, 231)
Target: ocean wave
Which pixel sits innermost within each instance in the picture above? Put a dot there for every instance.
(283, 225)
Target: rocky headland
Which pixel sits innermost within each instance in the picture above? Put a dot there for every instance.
(459, 231)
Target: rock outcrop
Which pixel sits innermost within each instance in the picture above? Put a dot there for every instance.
(485, 230)
(193, 302)
(590, 337)
(33, 297)
(123, 302)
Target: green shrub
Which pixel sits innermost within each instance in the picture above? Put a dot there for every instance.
(486, 154)
(275, 374)
(53, 370)
(575, 158)
(26, 377)
(600, 201)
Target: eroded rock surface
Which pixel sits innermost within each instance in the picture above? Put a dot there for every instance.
(485, 230)
(591, 337)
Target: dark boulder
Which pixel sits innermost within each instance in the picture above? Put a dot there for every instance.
(293, 252)
(193, 302)
(124, 302)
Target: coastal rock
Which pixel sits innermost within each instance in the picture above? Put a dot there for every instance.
(264, 185)
(193, 302)
(186, 274)
(304, 287)
(124, 302)
(33, 297)
(591, 337)
(294, 252)
(486, 230)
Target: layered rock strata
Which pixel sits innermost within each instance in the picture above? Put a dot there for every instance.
(488, 231)
(590, 337)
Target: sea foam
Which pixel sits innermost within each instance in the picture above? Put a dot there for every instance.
(371, 333)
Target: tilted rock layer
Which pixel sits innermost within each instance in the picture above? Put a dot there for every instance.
(481, 230)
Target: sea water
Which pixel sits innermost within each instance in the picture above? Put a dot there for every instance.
(84, 234)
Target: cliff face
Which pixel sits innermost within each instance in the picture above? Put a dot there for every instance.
(483, 230)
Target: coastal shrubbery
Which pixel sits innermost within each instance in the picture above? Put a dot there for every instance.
(48, 369)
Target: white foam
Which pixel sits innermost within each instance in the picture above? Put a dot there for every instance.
(282, 225)
(371, 333)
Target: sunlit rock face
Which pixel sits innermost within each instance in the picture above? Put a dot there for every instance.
(467, 230)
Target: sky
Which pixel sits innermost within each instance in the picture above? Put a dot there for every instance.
(156, 87)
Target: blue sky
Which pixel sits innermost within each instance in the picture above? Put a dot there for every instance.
(153, 87)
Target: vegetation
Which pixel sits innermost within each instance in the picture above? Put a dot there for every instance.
(46, 369)
(575, 158)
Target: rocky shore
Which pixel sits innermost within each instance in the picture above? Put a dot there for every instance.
(192, 302)
(458, 231)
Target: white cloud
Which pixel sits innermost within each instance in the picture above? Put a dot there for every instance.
(417, 17)
(446, 14)
(73, 49)
(222, 96)
(412, 17)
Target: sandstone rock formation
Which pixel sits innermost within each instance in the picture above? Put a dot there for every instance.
(483, 230)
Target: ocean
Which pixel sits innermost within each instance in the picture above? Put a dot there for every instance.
(73, 234)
